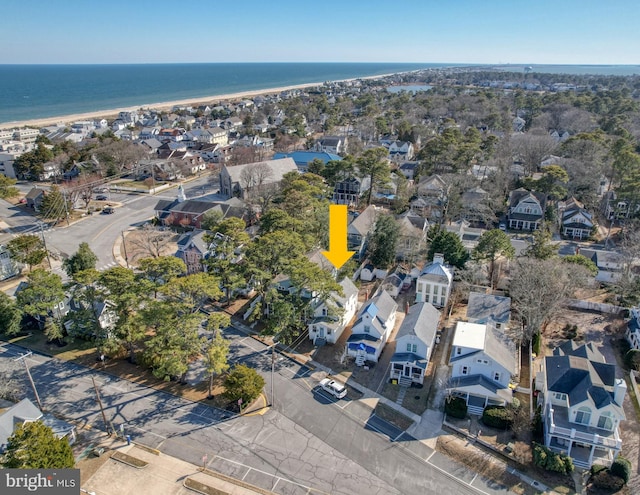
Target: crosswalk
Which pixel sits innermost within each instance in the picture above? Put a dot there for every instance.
(60, 270)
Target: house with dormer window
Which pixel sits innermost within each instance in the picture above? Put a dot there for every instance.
(575, 221)
(581, 399)
(330, 317)
(526, 209)
(360, 229)
(483, 364)
(372, 328)
(415, 341)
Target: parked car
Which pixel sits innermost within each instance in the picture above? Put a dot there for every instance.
(337, 389)
(101, 197)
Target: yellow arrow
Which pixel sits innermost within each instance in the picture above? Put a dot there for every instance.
(338, 254)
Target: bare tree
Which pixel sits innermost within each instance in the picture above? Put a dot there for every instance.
(81, 189)
(254, 176)
(123, 154)
(532, 148)
(539, 288)
(151, 241)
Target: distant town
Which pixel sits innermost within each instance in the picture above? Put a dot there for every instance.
(165, 296)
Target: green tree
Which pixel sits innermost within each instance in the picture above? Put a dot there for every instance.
(382, 246)
(128, 293)
(374, 164)
(582, 260)
(161, 270)
(29, 165)
(210, 219)
(34, 446)
(10, 315)
(491, 245)
(541, 247)
(83, 259)
(53, 329)
(243, 383)
(6, 187)
(27, 249)
(447, 243)
(55, 205)
(193, 291)
(41, 296)
(175, 344)
(216, 352)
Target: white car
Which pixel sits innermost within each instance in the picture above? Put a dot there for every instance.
(337, 389)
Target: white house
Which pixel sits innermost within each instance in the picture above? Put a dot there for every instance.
(633, 328)
(359, 229)
(526, 209)
(483, 362)
(575, 221)
(581, 400)
(371, 330)
(332, 144)
(435, 282)
(414, 344)
(330, 317)
(489, 309)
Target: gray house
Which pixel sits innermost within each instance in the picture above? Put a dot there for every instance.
(414, 344)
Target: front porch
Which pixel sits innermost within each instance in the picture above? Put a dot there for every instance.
(407, 369)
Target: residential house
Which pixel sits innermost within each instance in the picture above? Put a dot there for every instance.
(8, 266)
(330, 317)
(412, 237)
(483, 363)
(575, 221)
(400, 151)
(415, 341)
(610, 263)
(435, 282)
(192, 249)
(615, 208)
(493, 310)
(394, 283)
(102, 313)
(474, 207)
(359, 230)
(6, 164)
(349, 190)
(219, 136)
(526, 209)
(26, 411)
(372, 328)
(243, 180)
(581, 400)
(332, 144)
(408, 169)
(34, 198)
(304, 158)
(431, 198)
(50, 170)
(633, 328)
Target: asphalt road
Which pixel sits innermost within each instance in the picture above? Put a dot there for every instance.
(307, 443)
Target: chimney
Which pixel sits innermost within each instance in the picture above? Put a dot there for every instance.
(619, 391)
(438, 258)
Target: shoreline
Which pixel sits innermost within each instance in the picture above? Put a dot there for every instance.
(168, 105)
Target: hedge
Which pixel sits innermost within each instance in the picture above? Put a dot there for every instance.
(456, 407)
(621, 468)
(552, 461)
(497, 416)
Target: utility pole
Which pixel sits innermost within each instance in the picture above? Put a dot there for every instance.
(124, 246)
(66, 209)
(45, 245)
(23, 358)
(273, 361)
(104, 416)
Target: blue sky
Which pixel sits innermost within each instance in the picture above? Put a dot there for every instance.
(440, 31)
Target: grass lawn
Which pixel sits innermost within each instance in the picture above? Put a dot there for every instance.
(36, 341)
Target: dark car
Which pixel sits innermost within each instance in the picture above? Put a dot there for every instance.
(108, 210)
(101, 197)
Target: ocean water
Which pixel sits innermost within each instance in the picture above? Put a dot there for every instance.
(40, 91)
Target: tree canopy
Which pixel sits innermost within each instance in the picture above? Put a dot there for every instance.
(33, 445)
(83, 259)
(447, 243)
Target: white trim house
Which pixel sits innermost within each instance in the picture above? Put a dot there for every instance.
(435, 282)
(330, 317)
(372, 329)
(581, 400)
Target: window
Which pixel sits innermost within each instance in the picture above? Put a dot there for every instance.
(496, 376)
(408, 347)
(465, 370)
(420, 287)
(427, 288)
(367, 329)
(583, 416)
(458, 351)
(498, 325)
(483, 361)
(560, 396)
(605, 421)
(414, 348)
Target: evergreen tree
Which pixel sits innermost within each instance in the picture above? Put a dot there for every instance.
(83, 259)
(382, 246)
(10, 315)
(243, 383)
(448, 244)
(55, 205)
(491, 245)
(27, 249)
(34, 446)
(374, 165)
(6, 187)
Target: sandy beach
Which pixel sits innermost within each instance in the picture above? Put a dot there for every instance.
(167, 105)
